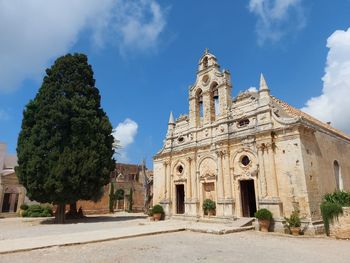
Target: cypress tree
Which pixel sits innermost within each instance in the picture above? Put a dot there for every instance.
(65, 147)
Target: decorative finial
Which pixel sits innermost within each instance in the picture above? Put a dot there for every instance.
(206, 51)
(171, 118)
(263, 85)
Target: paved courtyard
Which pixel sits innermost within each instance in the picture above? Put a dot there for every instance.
(184, 246)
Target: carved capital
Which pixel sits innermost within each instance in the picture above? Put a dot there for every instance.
(219, 153)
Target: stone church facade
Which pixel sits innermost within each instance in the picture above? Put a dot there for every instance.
(248, 152)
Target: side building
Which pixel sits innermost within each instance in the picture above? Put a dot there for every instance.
(248, 152)
(136, 183)
(12, 193)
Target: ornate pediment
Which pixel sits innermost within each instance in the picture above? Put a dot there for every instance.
(207, 176)
(180, 180)
(247, 174)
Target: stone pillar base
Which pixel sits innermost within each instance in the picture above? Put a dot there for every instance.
(221, 206)
(165, 203)
(273, 204)
(228, 207)
(191, 208)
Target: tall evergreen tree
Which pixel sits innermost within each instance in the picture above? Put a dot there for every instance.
(65, 147)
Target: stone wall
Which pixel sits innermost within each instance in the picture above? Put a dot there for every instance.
(340, 228)
(100, 207)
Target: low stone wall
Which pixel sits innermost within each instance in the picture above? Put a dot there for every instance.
(340, 228)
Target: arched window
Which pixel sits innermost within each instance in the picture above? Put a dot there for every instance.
(214, 101)
(199, 106)
(205, 62)
(338, 176)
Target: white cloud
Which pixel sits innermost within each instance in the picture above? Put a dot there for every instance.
(33, 32)
(333, 104)
(125, 133)
(276, 18)
(252, 89)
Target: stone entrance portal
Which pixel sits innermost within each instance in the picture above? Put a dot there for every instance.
(10, 202)
(180, 199)
(248, 198)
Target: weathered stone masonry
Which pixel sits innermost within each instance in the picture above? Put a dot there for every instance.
(246, 153)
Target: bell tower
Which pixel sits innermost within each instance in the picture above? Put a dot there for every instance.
(210, 96)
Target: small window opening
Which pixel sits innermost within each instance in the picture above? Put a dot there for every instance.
(245, 160)
(338, 176)
(181, 139)
(243, 122)
(199, 106)
(215, 106)
(205, 62)
(180, 169)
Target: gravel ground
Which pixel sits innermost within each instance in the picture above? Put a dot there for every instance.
(196, 247)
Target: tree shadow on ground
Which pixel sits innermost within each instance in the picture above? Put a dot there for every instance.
(95, 219)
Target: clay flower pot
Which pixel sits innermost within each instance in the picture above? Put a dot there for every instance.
(157, 216)
(264, 225)
(295, 231)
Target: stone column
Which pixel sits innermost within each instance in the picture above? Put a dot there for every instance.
(227, 178)
(189, 180)
(165, 166)
(169, 175)
(220, 181)
(262, 179)
(167, 193)
(191, 203)
(274, 185)
(228, 202)
(220, 186)
(270, 196)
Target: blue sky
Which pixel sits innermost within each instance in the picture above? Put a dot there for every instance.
(145, 53)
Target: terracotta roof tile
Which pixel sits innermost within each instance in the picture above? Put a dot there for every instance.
(298, 113)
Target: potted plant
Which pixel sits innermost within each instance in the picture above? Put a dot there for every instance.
(294, 223)
(209, 207)
(150, 214)
(157, 212)
(264, 217)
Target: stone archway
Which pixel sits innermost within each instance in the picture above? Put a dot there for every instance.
(10, 199)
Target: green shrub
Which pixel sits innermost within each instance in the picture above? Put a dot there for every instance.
(157, 209)
(339, 197)
(209, 205)
(293, 220)
(35, 208)
(329, 212)
(24, 207)
(331, 207)
(263, 214)
(38, 211)
(35, 214)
